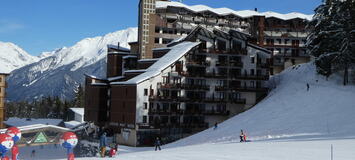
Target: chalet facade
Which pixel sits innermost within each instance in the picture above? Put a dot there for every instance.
(205, 77)
(3, 86)
(162, 21)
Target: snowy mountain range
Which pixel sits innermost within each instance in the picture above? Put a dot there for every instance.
(13, 57)
(59, 72)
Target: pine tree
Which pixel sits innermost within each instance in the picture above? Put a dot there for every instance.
(79, 97)
(331, 42)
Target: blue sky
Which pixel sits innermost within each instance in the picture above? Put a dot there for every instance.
(44, 25)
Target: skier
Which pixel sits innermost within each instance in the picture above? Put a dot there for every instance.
(215, 126)
(157, 144)
(103, 142)
(241, 136)
(307, 87)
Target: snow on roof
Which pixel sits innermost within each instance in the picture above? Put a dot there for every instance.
(288, 16)
(161, 49)
(79, 111)
(135, 71)
(99, 84)
(227, 11)
(119, 48)
(173, 55)
(72, 124)
(148, 60)
(94, 77)
(115, 78)
(18, 122)
(130, 56)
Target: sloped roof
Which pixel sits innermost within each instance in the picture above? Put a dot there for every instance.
(175, 53)
(227, 11)
(79, 111)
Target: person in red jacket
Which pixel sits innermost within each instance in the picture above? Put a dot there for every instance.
(245, 137)
(112, 152)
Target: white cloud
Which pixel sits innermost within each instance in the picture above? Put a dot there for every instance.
(9, 26)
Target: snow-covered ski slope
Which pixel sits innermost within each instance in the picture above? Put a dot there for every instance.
(290, 124)
(290, 111)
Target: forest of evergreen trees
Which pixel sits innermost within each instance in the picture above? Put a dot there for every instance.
(46, 107)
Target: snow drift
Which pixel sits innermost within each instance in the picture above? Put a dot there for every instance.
(290, 111)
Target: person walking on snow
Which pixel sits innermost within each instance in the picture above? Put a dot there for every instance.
(103, 142)
(157, 144)
(241, 136)
(307, 87)
(215, 126)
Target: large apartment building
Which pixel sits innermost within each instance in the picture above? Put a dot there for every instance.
(192, 66)
(160, 22)
(2, 98)
(195, 81)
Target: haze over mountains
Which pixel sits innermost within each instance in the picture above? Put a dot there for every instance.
(59, 72)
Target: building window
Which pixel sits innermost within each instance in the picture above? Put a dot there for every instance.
(151, 105)
(146, 92)
(252, 60)
(252, 72)
(157, 30)
(0, 79)
(279, 41)
(145, 105)
(156, 40)
(144, 119)
(252, 84)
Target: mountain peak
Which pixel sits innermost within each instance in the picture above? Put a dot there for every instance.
(13, 57)
(58, 72)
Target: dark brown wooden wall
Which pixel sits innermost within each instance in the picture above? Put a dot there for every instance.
(96, 104)
(114, 65)
(123, 104)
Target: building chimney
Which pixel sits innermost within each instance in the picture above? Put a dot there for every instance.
(255, 9)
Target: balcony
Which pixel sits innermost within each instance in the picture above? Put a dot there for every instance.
(250, 77)
(251, 89)
(198, 63)
(195, 87)
(179, 86)
(167, 99)
(238, 101)
(262, 65)
(175, 86)
(165, 112)
(215, 75)
(215, 112)
(224, 52)
(221, 88)
(215, 100)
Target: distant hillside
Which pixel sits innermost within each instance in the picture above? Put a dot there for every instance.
(59, 72)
